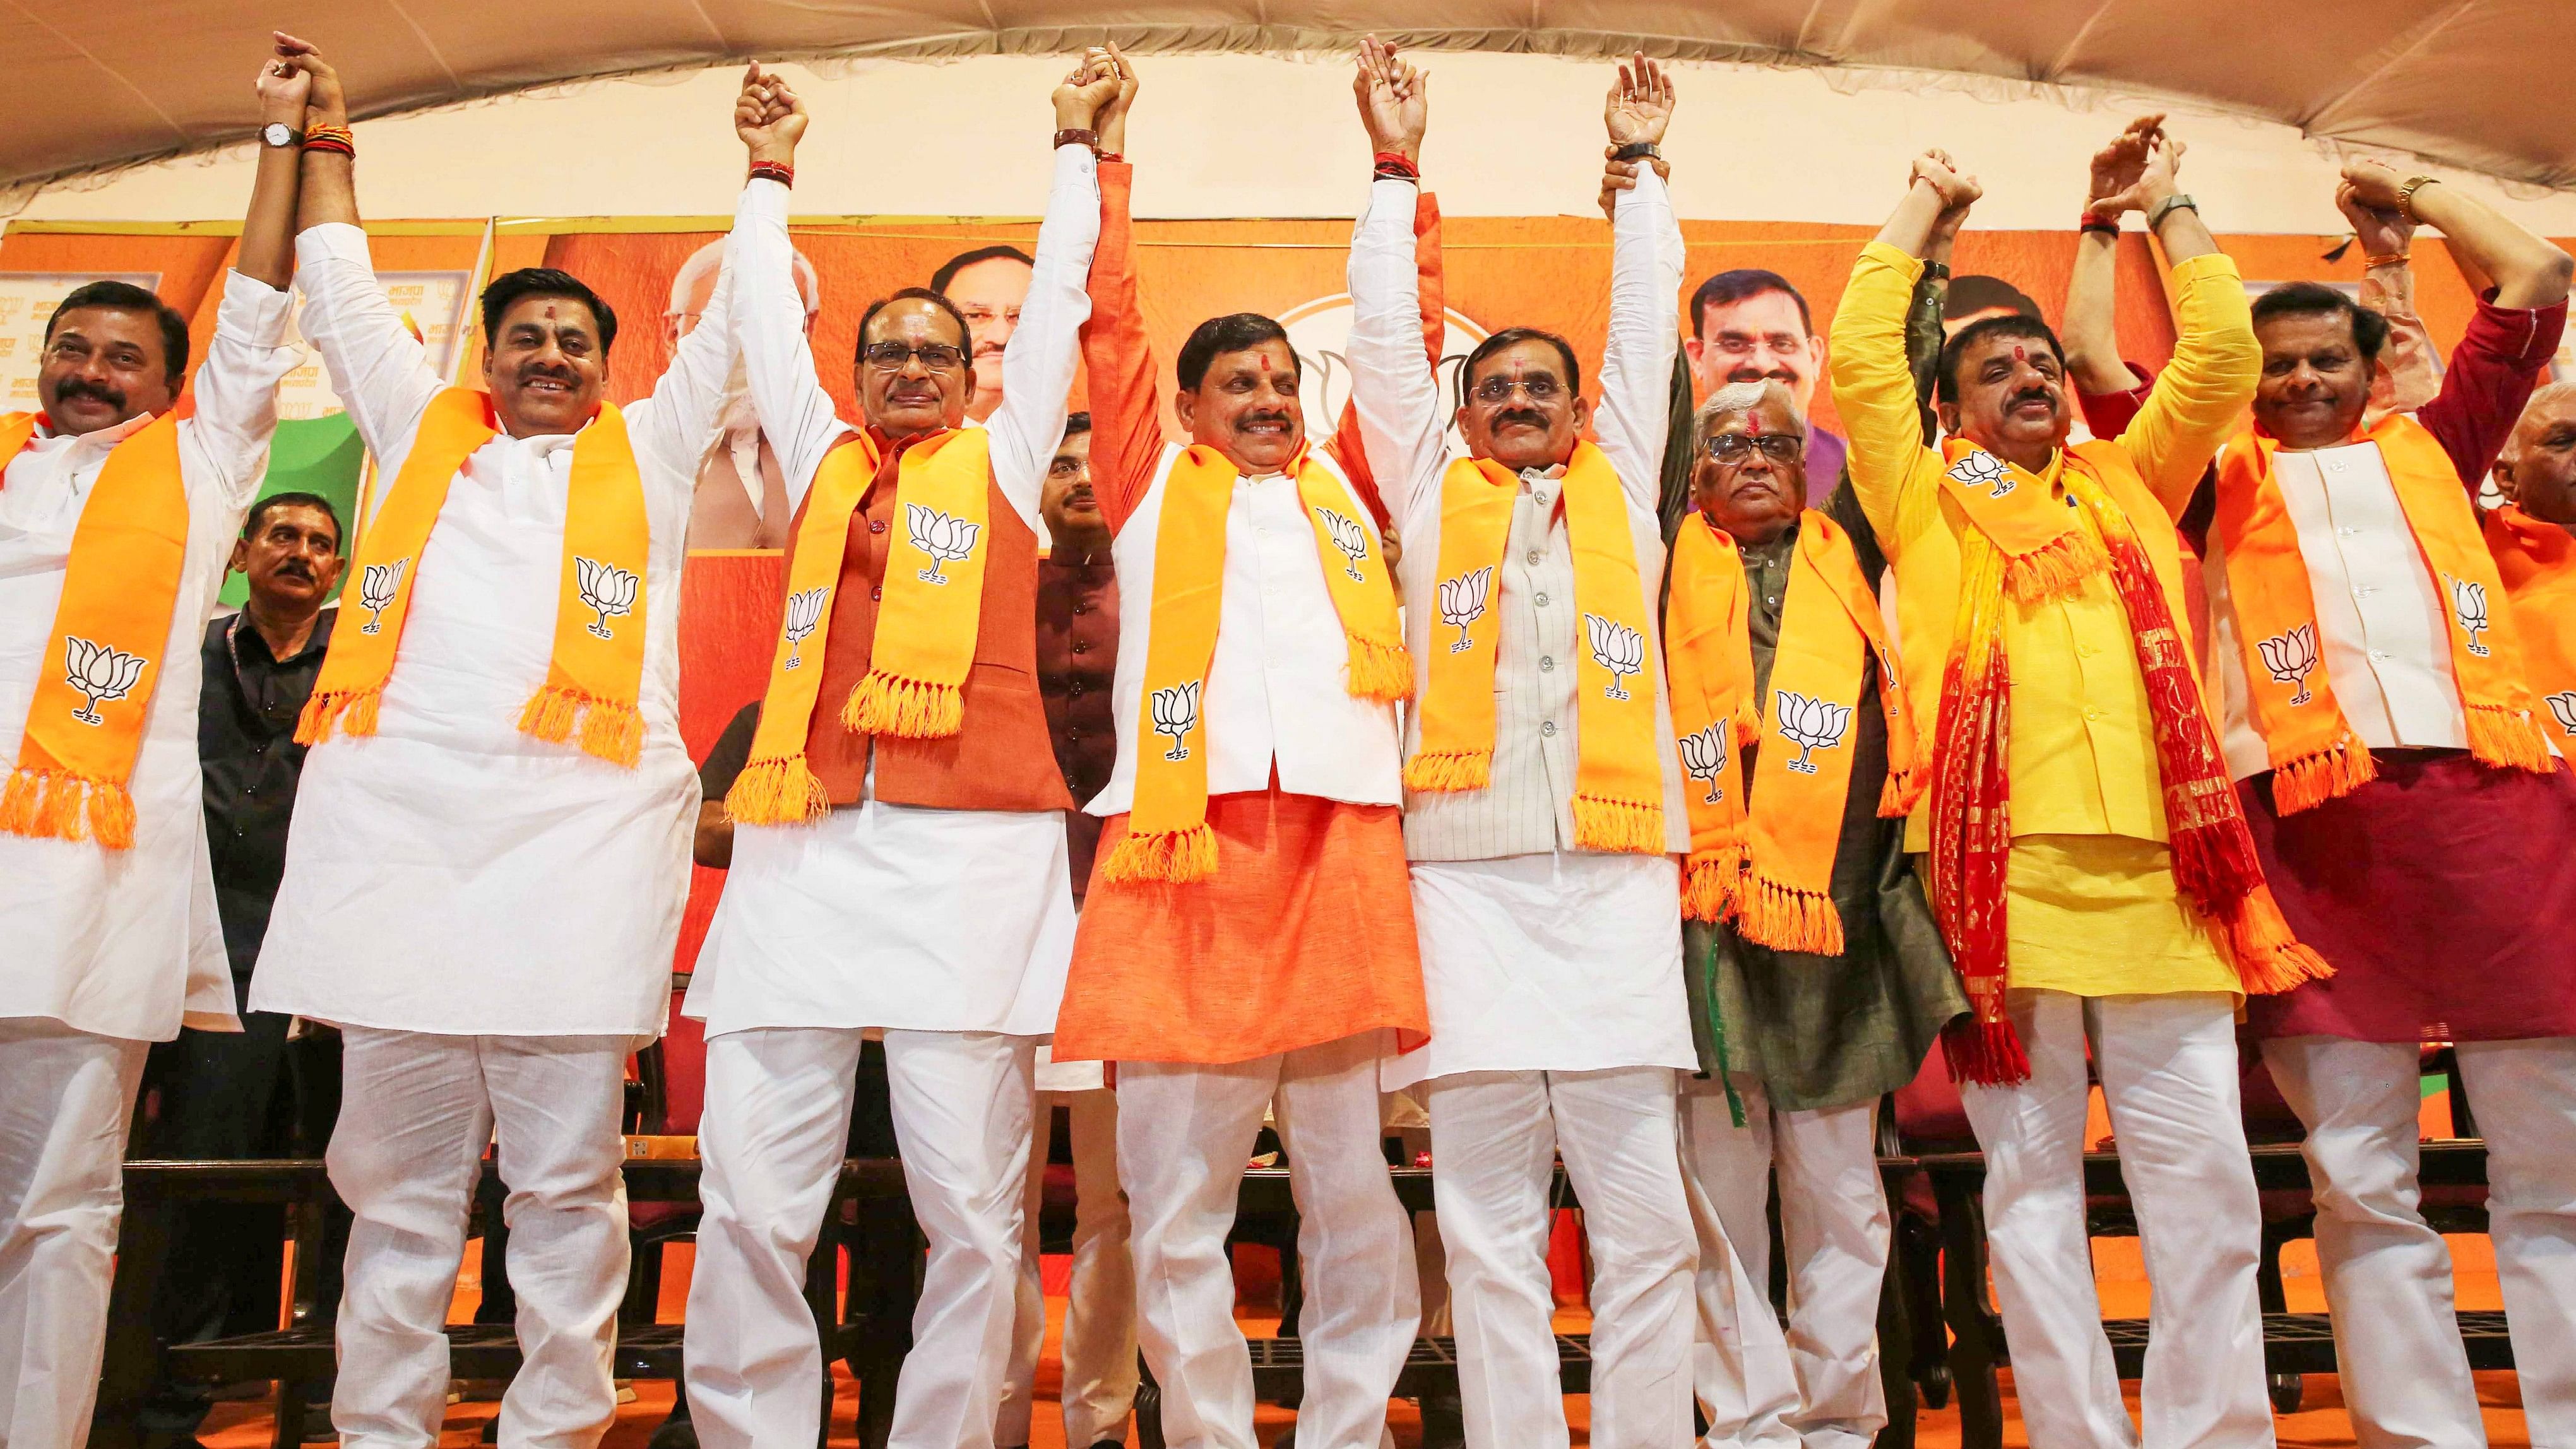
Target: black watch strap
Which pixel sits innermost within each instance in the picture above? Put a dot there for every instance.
(1636, 149)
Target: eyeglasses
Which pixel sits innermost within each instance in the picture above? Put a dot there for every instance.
(892, 356)
(1736, 447)
(1541, 389)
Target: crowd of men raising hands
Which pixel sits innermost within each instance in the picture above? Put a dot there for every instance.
(1442, 764)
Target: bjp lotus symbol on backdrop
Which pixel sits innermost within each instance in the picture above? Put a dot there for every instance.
(1176, 713)
(2469, 601)
(2563, 705)
(1349, 537)
(944, 538)
(1704, 757)
(2291, 657)
(99, 671)
(804, 611)
(1982, 469)
(376, 590)
(1811, 725)
(1617, 648)
(606, 590)
(1462, 602)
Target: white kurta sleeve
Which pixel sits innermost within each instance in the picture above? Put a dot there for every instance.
(236, 387)
(1038, 363)
(677, 424)
(1392, 384)
(1646, 263)
(382, 373)
(796, 413)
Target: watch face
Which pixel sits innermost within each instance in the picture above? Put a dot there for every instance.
(277, 133)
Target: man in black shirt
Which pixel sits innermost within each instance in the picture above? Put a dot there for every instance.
(230, 1094)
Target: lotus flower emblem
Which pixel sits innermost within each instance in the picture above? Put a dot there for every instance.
(1462, 602)
(1811, 725)
(1982, 469)
(1349, 537)
(606, 590)
(2469, 602)
(376, 589)
(99, 671)
(946, 539)
(1704, 757)
(2563, 705)
(1617, 648)
(1176, 713)
(804, 611)
(2291, 657)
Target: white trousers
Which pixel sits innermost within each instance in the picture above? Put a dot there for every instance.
(772, 1137)
(65, 1099)
(1100, 1319)
(2388, 1276)
(1496, 1136)
(1834, 1225)
(2169, 1075)
(1185, 1132)
(416, 1112)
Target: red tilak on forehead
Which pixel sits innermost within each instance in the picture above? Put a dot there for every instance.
(2020, 353)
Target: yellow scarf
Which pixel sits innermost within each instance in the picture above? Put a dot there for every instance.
(926, 626)
(101, 662)
(1774, 868)
(1168, 838)
(2314, 753)
(1618, 776)
(2537, 560)
(596, 671)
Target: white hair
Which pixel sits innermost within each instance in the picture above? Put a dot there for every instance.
(701, 266)
(1738, 398)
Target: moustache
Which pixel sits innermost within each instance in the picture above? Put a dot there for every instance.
(1521, 418)
(1266, 415)
(545, 372)
(98, 392)
(292, 571)
(1762, 374)
(2032, 394)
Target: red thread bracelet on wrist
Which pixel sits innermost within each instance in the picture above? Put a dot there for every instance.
(2095, 221)
(335, 145)
(780, 172)
(1395, 166)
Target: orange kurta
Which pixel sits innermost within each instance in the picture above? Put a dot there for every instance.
(1305, 933)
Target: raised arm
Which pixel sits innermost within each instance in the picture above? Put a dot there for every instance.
(1895, 475)
(236, 385)
(2527, 270)
(1395, 394)
(768, 313)
(1117, 357)
(2407, 377)
(2091, 333)
(1646, 261)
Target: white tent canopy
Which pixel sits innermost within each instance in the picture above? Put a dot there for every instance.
(95, 84)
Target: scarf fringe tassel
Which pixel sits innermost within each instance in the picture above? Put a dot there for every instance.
(2269, 958)
(2508, 739)
(911, 709)
(777, 792)
(1988, 1053)
(1709, 881)
(1174, 856)
(1786, 918)
(1445, 772)
(48, 804)
(344, 711)
(2054, 569)
(1618, 826)
(2337, 770)
(610, 730)
(1382, 672)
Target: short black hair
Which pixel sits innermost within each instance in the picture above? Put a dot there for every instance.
(507, 289)
(1234, 332)
(1946, 385)
(949, 269)
(2316, 299)
(260, 511)
(127, 297)
(1076, 424)
(965, 335)
(1512, 337)
(1975, 293)
(1727, 288)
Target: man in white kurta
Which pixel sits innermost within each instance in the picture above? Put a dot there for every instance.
(947, 929)
(1558, 1020)
(112, 950)
(488, 917)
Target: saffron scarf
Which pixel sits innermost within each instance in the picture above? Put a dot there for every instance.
(102, 658)
(2023, 546)
(2537, 561)
(926, 625)
(1168, 837)
(1618, 777)
(595, 672)
(2314, 753)
(1771, 866)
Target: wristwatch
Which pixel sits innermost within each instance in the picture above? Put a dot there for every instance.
(2169, 205)
(1636, 150)
(280, 134)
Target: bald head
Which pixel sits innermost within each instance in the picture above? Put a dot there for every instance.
(2537, 469)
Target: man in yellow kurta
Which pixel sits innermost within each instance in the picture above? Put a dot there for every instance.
(2085, 856)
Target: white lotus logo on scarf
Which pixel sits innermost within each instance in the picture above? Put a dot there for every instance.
(945, 539)
(804, 611)
(1811, 725)
(606, 590)
(1350, 538)
(1617, 648)
(1176, 713)
(1982, 469)
(2469, 601)
(99, 671)
(2291, 657)
(376, 590)
(1704, 757)
(1462, 602)
(2563, 705)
